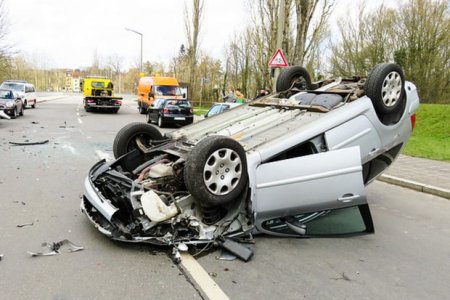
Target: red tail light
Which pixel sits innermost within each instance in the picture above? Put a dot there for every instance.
(90, 100)
(413, 121)
(118, 102)
(165, 110)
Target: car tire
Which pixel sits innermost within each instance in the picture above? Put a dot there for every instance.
(125, 140)
(293, 77)
(25, 104)
(142, 109)
(14, 113)
(148, 119)
(215, 171)
(161, 122)
(21, 110)
(34, 104)
(385, 86)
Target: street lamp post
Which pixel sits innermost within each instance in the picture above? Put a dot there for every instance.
(142, 39)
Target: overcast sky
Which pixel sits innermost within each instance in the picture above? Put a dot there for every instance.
(66, 33)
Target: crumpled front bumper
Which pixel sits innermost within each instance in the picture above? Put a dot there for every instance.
(94, 197)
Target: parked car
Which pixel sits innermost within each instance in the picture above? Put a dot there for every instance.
(292, 164)
(170, 112)
(218, 108)
(24, 89)
(10, 103)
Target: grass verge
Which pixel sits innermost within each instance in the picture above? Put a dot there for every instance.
(431, 136)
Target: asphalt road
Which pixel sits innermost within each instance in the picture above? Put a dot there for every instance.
(407, 258)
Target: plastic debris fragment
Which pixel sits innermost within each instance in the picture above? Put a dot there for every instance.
(49, 249)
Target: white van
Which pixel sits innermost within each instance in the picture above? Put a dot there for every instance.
(25, 90)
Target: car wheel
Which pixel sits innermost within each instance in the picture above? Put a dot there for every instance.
(293, 77)
(215, 171)
(25, 104)
(148, 119)
(161, 122)
(14, 113)
(34, 104)
(21, 110)
(142, 109)
(126, 139)
(385, 86)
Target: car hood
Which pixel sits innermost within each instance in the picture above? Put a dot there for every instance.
(4, 101)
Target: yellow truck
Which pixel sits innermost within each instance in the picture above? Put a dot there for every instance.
(98, 94)
(155, 87)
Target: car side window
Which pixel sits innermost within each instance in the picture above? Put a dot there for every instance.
(159, 103)
(215, 110)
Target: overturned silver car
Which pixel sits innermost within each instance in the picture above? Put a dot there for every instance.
(293, 164)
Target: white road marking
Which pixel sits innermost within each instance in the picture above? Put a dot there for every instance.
(103, 155)
(202, 278)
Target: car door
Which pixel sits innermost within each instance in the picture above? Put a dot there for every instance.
(316, 189)
(153, 110)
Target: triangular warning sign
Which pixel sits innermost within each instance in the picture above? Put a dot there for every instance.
(278, 60)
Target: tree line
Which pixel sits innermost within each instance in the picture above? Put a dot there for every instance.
(414, 34)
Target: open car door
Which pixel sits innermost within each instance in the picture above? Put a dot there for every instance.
(315, 195)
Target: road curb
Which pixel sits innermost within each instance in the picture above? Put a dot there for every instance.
(417, 186)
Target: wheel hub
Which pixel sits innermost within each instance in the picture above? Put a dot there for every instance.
(391, 89)
(222, 171)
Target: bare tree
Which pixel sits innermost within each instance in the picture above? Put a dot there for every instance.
(309, 33)
(193, 26)
(364, 41)
(115, 65)
(5, 46)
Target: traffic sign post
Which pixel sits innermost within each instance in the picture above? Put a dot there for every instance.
(276, 62)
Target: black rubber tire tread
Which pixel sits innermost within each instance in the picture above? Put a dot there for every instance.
(21, 111)
(193, 171)
(161, 122)
(142, 109)
(34, 104)
(374, 86)
(14, 114)
(125, 136)
(287, 75)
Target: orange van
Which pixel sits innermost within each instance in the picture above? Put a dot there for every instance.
(152, 88)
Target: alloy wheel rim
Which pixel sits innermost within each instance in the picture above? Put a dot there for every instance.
(222, 171)
(391, 89)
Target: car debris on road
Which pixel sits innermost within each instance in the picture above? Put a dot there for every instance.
(29, 143)
(55, 248)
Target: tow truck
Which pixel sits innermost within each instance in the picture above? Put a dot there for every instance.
(98, 94)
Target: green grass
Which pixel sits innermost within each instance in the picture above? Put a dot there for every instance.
(431, 136)
(201, 110)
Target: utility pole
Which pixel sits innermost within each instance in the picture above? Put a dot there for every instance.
(280, 29)
(142, 45)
